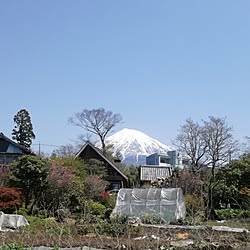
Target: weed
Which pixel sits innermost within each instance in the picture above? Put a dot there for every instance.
(12, 246)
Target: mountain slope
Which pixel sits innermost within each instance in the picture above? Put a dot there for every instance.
(134, 146)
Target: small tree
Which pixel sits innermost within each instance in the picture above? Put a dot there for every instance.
(30, 174)
(97, 121)
(23, 130)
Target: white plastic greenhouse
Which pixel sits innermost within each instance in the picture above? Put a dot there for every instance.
(165, 203)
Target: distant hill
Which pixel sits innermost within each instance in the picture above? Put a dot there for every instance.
(134, 146)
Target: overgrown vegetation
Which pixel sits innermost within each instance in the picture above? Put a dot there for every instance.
(66, 199)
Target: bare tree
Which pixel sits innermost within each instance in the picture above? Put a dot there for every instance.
(219, 140)
(220, 146)
(97, 121)
(210, 144)
(190, 142)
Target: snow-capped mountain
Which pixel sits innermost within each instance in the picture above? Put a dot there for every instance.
(134, 146)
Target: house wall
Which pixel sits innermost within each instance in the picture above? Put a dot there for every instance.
(7, 158)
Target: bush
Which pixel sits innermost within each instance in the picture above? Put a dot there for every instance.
(226, 214)
(97, 209)
(119, 219)
(10, 199)
(22, 211)
(104, 229)
(62, 214)
(30, 173)
(193, 203)
(151, 219)
(109, 201)
(94, 187)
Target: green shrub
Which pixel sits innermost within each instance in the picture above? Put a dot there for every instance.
(97, 209)
(151, 219)
(22, 211)
(119, 219)
(229, 213)
(39, 224)
(109, 202)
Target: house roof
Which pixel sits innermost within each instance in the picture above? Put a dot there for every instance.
(5, 138)
(98, 151)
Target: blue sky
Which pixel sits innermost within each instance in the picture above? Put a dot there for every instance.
(154, 62)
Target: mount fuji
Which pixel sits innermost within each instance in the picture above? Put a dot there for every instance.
(134, 146)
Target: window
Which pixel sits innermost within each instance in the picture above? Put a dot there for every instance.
(164, 160)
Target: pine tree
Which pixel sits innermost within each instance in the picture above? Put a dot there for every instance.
(23, 130)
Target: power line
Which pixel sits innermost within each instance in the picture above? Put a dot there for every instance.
(46, 145)
(49, 145)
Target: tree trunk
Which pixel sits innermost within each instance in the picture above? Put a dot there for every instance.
(210, 212)
(103, 147)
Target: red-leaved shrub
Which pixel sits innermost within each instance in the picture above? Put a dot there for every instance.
(10, 199)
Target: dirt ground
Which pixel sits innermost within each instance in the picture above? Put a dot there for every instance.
(133, 238)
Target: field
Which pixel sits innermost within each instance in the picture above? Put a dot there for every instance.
(47, 232)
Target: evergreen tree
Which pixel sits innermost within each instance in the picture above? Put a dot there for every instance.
(30, 174)
(23, 130)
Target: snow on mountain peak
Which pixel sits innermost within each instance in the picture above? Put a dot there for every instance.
(134, 145)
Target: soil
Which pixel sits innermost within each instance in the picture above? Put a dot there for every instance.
(135, 238)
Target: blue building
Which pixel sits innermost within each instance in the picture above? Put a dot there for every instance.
(172, 158)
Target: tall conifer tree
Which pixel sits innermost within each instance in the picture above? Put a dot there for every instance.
(23, 130)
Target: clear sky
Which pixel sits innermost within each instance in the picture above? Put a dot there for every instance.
(154, 62)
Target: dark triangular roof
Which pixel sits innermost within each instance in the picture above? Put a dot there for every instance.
(98, 151)
(5, 138)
